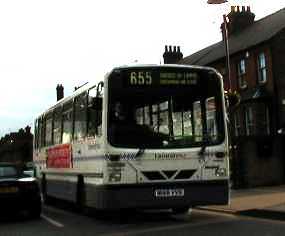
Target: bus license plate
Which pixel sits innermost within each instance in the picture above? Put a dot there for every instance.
(175, 192)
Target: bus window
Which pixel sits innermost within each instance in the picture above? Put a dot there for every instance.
(177, 124)
(94, 113)
(139, 114)
(187, 123)
(197, 113)
(38, 128)
(57, 125)
(211, 119)
(80, 124)
(147, 120)
(36, 137)
(48, 130)
(91, 112)
(99, 119)
(42, 132)
(163, 118)
(155, 117)
(67, 123)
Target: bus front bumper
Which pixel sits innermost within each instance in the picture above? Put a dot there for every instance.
(156, 195)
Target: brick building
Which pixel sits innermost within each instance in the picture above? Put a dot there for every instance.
(17, 147)
(257, 66)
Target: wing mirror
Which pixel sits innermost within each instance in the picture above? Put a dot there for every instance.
(233, 99)
(97, 103)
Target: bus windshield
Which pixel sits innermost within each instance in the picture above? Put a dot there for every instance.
(164, 108)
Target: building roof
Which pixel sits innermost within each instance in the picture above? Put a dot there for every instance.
(260, 31)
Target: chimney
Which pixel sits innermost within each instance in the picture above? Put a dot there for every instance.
(28, 129)
(172, 56)
(59, 92)
(239, 19)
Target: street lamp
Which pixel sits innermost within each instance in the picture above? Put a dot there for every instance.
(226, 40)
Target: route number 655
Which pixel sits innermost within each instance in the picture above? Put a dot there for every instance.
(140, 78)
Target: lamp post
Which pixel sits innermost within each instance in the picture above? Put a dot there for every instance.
(226, 40)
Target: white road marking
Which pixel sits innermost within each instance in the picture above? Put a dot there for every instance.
(169, 227)
(51, 221)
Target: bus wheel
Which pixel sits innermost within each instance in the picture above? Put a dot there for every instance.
(80, 194)
(182, 210)
(46, 199)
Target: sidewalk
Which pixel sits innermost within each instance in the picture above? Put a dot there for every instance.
(268, 202)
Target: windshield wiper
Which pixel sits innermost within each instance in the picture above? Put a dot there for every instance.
(140, 152)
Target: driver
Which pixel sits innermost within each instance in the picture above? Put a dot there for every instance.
(119, 112)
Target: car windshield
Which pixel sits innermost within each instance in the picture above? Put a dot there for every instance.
(7, 171)
(168, 115)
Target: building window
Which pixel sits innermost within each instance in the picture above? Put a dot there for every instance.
(241, 73)
(249, 121)
(267, 120)
(262, 119)
(261, 68)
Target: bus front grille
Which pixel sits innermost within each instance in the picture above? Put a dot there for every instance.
(185, 174)
(153, 175)
(169, 174)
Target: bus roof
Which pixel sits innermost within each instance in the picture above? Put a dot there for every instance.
(164, 65)
(68, 98)
(89, 85)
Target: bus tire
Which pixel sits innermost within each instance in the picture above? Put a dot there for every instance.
(80, 193)
(45, 197)
(181, 210)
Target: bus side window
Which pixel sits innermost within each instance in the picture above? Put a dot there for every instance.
(42, 132)
(36, 137)
(80, 116)
(94, 113)
(57, 118)
(98, 115)
(91, 125)
(48, 130)
(67, 118)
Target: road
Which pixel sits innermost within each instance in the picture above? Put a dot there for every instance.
(56, 221)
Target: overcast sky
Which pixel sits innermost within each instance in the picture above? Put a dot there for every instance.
(43, 43)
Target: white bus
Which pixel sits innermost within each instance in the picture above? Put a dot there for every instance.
(145, 137)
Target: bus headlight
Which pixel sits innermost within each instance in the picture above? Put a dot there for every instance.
(221, 172)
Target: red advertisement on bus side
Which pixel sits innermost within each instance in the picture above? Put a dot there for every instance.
(59, 156)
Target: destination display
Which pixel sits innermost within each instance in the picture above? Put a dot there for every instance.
(150, 78)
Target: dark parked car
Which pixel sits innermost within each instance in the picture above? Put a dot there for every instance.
(18, 191)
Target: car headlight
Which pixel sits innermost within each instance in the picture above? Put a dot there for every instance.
(27, 179)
